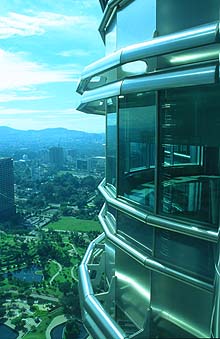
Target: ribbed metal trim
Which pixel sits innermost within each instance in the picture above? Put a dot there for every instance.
(192, 230)
(148, 262)
(182, 78)
(105, 324)
(190, 38)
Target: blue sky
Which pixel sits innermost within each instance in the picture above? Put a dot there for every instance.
(44, 46)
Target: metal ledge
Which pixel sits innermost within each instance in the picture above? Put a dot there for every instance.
(148, 262)
(190, 38)
(97, 321)
(189, 77)
(193, 230)
(105, 326)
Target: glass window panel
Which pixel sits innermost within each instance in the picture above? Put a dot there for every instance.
(135, 230)
(184, 14)
(143, 16)
(111, 141)
(190, 153)
(137, 147)
(112, 210)
(194, 256)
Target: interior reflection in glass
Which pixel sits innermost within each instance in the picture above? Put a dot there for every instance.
(137, 147)
(189, 153)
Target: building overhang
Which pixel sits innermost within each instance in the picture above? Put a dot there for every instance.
(197, 37)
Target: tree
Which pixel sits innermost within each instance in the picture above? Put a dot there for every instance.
(30, 301)
(65, 287)
(70, 304)
(89, 182)
(72, 329)
(2, 311)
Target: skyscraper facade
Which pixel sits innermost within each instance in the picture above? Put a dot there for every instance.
(7, 203)
(56, 157)
(154, 271)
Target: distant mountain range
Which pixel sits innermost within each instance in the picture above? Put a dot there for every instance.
(38, 139)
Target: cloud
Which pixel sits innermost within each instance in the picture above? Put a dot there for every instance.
(19, 111)
(19, 73)
(16, 97)
(74, 53)
(16, 24)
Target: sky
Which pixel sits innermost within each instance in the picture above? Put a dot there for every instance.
(44, 46)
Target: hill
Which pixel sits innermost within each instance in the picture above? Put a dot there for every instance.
(39, 139)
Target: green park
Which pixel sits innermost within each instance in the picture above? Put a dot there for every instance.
(29, 305)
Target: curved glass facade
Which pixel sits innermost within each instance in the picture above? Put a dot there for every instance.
(154, 272)
(137, 115)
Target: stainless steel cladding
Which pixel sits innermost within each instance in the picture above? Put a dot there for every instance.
(155, 270)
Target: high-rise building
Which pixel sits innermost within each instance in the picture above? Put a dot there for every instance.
(155, 270)
(82, 164)
(7, 203)
(56, 156)
(97, 164)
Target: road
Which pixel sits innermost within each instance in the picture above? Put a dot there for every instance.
(57, 273)
(44, 297)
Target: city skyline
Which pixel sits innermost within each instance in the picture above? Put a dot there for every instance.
(44, 48)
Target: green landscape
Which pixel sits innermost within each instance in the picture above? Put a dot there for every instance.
(44, 240)
(74, 224)
(55, 254)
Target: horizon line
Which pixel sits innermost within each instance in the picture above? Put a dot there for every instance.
(43, 129)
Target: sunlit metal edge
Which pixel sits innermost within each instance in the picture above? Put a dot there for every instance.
(190, 38)
(98, 315)
(182, 78)
(148, 262)
(156, 221)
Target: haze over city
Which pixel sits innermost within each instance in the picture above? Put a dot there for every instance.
(44, 48)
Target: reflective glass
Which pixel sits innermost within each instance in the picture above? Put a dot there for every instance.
(111, 210)
(194, 256)
(111, 141)
(142, 13)
(184, 14)
(137, 147)
(189, 153)
(136, 230)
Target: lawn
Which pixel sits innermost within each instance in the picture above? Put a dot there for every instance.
(40, 330)
(73, 224)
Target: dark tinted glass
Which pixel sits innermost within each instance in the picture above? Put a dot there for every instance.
(111, 141)
(137, 148)
(190, 154)
(135, 230)
(191, 255)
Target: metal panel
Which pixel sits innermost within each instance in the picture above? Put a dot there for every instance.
(147, 261)
(215, 323)
(109, 260)
(190, 38)
(102, 93)
(132, 288)
(126, 207)
(181, 304)
(192, 77)
(194, 37)
(101, 65)
(106, 325)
